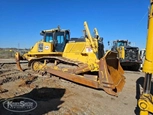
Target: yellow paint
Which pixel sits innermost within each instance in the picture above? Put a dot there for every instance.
(82, 52)
(86, 51)
(90, 40)
(64, 69)
(47, 48)
(145, 102)
(121, 52)
(148, 62)
(55, 67)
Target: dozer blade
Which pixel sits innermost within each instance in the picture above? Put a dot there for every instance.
(17, 59)
(111, 74)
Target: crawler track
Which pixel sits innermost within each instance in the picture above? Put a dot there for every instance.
(75, 67)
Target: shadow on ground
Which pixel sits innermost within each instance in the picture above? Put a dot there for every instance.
(47, 99)
(139, 84)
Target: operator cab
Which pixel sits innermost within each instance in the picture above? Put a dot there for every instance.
(121, 43)
(57, 37)
(118, 43)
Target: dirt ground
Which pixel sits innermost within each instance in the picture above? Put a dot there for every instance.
(55, 96)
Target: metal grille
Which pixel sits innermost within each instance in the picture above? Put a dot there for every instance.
(40, 47)
(131, 53)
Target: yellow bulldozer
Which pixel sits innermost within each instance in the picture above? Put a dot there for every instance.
(77, 60)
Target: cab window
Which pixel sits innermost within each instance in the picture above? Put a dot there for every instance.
(48, 37)
(59, 41)
(121, 43)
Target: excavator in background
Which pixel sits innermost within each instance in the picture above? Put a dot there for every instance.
(145, 102)
(78, 60)
(128, 55)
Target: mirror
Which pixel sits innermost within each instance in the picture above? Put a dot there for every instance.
(108, 43)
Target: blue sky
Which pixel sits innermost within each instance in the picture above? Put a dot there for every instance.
(22, 20)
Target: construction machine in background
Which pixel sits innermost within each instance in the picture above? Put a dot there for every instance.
(78, 60)
(128, 55)
(145, 102)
